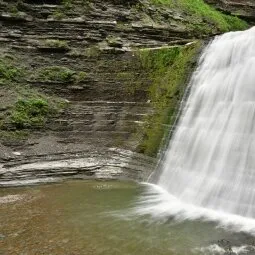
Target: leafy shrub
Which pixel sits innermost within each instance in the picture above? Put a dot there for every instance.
(55, 74)
(29, 112)
(8, 72)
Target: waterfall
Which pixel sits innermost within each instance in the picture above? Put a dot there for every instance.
(209, 165)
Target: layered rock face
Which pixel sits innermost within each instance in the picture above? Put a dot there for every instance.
(241, 8)
(85, 54)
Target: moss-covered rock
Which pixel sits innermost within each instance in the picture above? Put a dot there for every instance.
(22, 106)
(52, 45)
(54, 74)
(9, 72)
(169, 68)
(30, 112)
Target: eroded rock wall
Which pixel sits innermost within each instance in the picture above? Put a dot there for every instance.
(85, 54)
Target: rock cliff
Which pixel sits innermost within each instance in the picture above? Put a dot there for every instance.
(88, 88)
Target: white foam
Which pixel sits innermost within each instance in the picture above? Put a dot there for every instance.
(11, 198)
(161, 205)
(215, 249)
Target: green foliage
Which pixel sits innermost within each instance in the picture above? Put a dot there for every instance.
(59, 74)
(67, 4)
(25, 107)
(205, 18)
(8, 72)
(30, 109)
(235, 22)
(132, 82)
(168, 68)
(30, 113)
(55, 74)
(80, 77)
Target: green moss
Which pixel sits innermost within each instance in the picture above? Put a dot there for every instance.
(114, 41)
(67, 4)
(168, 68)
(204, 17)
(9, 72)
(81, 76)
(25, 107)
(56, 44)
(54, 74)
(130, 81)
(30, 112)
(16, 135)
(59, 74)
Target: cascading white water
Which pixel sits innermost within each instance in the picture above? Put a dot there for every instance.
(210, 161)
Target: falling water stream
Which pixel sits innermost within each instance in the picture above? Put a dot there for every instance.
(208, 169)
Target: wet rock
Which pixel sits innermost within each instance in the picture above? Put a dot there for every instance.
(111, 164)
(227, 246)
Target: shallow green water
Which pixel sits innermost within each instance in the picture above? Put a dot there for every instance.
(81, 217)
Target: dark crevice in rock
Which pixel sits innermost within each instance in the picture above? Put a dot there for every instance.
(39, 2)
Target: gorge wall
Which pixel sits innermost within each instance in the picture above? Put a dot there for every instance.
(88, 88)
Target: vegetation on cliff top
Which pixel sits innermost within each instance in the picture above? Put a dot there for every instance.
(196, 15)
(204, 16)
(168, 68)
